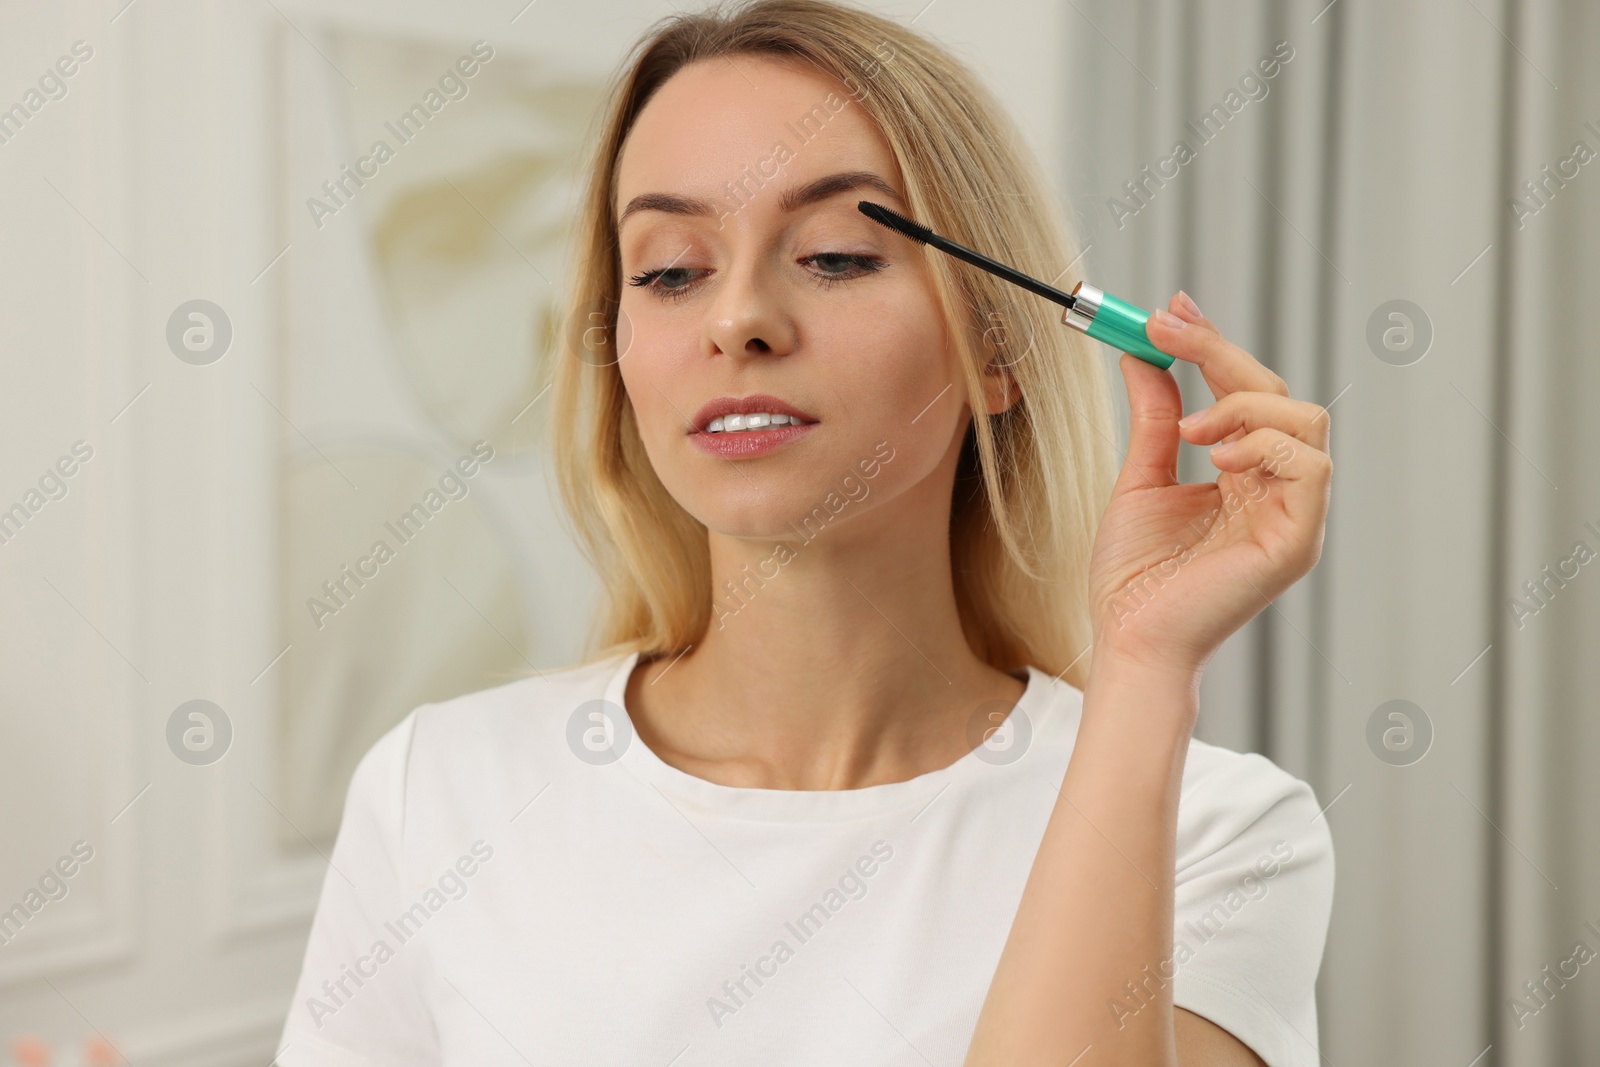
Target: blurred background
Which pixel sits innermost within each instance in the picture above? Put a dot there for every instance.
(244, 347)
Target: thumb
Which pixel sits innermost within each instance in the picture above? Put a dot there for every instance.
(1155, 403)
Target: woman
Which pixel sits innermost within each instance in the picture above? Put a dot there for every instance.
(843, 783)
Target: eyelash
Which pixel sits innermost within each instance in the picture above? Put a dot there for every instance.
(865, 264)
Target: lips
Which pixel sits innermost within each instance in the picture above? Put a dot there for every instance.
(731, 405)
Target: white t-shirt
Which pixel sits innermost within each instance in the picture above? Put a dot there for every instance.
(507, 889)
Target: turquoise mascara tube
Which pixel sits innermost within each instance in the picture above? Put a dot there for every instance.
(1090, 310)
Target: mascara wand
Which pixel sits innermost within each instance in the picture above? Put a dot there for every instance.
(1089, 310)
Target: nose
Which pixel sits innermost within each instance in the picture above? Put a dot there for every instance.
(748, 315)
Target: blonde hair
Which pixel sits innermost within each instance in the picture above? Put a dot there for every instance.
(1032, 480)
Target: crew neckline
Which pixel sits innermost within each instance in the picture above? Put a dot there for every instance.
(812, 805)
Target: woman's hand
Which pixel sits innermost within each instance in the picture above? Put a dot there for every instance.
(1177, 568)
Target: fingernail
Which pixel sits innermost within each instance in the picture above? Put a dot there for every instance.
(1193, 417)
(1169, 320)
(1184, 299)
(1223, 448)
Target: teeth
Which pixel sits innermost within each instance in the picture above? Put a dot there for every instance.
(755, 420)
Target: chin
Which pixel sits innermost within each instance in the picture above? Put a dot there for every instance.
(778, 501)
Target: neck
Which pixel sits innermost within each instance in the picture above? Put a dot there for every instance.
(831, 663)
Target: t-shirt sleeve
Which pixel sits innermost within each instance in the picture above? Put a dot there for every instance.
(1254, 894)
(359, 999)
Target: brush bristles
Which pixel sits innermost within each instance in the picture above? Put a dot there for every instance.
(898, 223)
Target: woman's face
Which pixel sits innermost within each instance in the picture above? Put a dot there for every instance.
(811, 303)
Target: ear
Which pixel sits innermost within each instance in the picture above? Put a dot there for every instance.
(1000, 389)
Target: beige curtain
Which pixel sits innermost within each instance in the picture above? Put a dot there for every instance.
(1387, 159)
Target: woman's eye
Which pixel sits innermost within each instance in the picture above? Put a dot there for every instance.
(854, 266)
(672, 283)
(668, 282)
(833, 262)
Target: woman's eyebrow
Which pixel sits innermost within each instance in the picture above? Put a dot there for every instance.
(792, 200)
(833, 184)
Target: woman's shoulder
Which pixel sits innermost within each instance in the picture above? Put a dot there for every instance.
(1234, 807)
(514, 711)
(1245, 807)
(1253, 902)
(510, 731)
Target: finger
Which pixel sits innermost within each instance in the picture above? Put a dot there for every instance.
(1154, 403)
(1246, 411)
(1305, 473)
(1226, 367)
(1183, 306)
